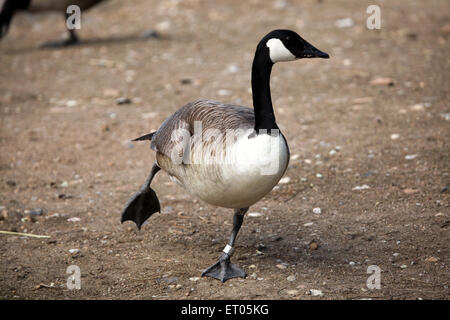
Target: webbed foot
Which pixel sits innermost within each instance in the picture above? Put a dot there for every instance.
(223, 270)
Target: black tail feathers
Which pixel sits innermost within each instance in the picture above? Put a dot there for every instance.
(145, 137)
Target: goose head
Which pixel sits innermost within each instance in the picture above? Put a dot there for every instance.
(287, 45)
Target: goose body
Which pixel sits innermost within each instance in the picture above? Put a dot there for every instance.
(227, 155)
(224, 167)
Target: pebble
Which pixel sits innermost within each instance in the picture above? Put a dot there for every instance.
(317, 210)
(284, 180)
(382, 81)
(403, 266)
(315, 292)
(410, 156)
(65, 184)
(446, 116)
(410, 191)
(291, 278)
(255, 214)
(292, 292)
(345, 23)
(194, 279)
(363, 187)
(123, 100)
(74, 219)
(431, 259)
(418, 107)
(74, 251)
(309, 224)
(319, 175)
(295, 157)
(71, 103)
(351, 263)
(281, 266)
(37, 212)
(313, 245)
(395, 136)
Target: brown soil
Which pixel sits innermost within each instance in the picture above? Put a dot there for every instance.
(65, 149)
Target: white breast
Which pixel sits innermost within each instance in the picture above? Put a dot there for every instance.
(248, 171)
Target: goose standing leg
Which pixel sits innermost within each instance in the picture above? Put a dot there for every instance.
(223, 269)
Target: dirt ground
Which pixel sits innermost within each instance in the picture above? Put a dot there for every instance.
(373, 157)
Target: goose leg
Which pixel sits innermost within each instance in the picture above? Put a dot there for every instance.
(223, 269)
(72, 40)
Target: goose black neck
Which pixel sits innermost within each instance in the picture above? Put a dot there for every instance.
(262, 101)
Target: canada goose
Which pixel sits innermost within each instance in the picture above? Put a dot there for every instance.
(10, 7)
(193, 146)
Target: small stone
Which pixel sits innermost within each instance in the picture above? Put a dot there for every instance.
(403, 266)
(185, 81)
(284, 180)
(345, 23)
(37, 212)
(194, 279)
(351, 263)
(319, 175)
(123, 100)
(71, 103)
(315, 292)
(317, 210)
(259, 253)
(65, 184)
(410, 191)
(395, 136)
(418, 107)
(292, 292)
(410, 156)
(74, 251)
(432, 259)
(291, 278)
(281, 266)
(313, 245)
(308, 224)
(363, 187)
(255, 214)
(74, 219)
(382, 81)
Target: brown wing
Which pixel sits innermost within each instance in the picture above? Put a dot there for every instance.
(210, 114)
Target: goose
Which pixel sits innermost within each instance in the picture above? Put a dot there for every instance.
(227, 155)
(10, 7)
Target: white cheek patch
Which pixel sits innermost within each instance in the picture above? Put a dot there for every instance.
(278, 52)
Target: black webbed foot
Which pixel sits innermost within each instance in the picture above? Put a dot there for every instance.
(223, 270)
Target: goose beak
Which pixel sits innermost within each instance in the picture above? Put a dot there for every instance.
(312, 52)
